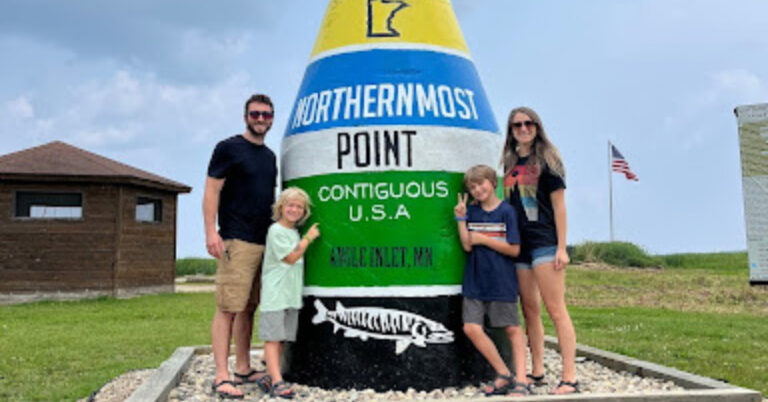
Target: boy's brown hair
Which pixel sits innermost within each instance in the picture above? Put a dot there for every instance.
(478, 173)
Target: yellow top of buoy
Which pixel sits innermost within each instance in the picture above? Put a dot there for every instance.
(430, 23)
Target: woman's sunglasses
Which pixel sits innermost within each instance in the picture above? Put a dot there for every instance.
(527, 124)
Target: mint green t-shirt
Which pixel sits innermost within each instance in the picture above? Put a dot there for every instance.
(281, 283)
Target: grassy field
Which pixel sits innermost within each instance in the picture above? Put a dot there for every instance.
(698, 314)
(195, 266)
(64, 351)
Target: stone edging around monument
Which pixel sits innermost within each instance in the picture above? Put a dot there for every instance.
(698, 388)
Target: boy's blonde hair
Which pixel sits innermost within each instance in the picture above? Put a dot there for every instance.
(291, 193)
(478, 173)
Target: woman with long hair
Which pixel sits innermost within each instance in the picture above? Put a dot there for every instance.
(534, 182)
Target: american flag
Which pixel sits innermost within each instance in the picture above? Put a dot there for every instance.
(620, 165)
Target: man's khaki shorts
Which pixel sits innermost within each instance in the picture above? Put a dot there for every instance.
(238, 276)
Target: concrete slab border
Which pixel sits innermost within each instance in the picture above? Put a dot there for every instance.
(698, 388)
(157, 387)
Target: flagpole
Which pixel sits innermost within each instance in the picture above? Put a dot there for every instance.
(610, 186)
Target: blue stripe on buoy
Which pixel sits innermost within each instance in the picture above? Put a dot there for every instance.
(391, 86)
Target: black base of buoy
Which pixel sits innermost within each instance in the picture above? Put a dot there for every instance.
(357, 356)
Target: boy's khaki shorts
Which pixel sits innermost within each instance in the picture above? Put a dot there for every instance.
(238, 275)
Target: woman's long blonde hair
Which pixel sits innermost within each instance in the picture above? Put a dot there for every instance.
(543, 151)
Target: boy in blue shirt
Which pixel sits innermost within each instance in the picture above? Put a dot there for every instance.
(488, 232)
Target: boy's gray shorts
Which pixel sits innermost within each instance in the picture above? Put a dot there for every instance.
(500, 313)
(280, 325)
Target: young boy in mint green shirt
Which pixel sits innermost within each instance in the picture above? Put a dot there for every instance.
(282, 280)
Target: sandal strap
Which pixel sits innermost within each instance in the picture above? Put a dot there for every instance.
(264, 383)
(504, 377)
(279, 387)
(217, 385)
(572, 384)
(519, 388)
(499, 389)
(538, 380)
(243, 376)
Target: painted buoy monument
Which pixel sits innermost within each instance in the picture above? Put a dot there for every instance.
(389, 115)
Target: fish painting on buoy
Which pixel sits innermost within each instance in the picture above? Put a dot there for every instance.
(389, 115)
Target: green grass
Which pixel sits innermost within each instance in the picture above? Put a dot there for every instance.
(697, 314)
(55, 351)
(729, 347)
(722, 263)
(195, 266)
(620, 254)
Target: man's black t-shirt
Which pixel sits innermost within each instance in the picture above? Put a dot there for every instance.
(245, 202)
(529, 189)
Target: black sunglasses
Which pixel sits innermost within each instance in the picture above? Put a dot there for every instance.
(527, 124)
(256, 114)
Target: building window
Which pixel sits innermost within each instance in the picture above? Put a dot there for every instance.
(40, 205)
(149, 209)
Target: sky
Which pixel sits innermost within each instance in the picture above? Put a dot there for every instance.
(156, 84)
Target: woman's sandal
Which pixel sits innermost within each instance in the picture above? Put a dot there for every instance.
(494, 389)
(518, 389)
(246, 378)
(536, 380)
(572, 384)
(279, 388)
(226, 395)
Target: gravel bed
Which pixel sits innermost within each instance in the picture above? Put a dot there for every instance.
(120, 388)
(196, 383)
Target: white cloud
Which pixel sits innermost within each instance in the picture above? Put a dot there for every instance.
(739, 84)
(20, 108)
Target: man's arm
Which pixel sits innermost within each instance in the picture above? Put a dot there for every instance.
(213, 242)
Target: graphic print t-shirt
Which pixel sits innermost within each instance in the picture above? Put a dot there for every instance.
(488, 274)
(528, 189)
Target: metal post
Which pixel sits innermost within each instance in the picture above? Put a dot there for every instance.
(610, 185)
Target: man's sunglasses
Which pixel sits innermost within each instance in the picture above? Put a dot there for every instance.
(520, 124)
(256, 114)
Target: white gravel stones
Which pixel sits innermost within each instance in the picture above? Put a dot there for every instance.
(196, 383)
(120, 388)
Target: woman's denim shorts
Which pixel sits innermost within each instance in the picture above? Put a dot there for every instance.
(536, 257)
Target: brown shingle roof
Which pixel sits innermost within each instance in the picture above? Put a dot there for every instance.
(60, 160)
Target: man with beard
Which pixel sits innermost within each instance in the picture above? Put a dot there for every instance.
(240, 188)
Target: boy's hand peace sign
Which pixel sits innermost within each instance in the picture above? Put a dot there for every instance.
(460, 210)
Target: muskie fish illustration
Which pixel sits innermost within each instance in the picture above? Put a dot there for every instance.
(381, 323)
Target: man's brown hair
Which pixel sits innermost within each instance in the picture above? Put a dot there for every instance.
(260, 98)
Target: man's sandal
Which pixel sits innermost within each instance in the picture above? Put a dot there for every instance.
(572, 384)
(226, 395)
(536, 380)
(494, 389)
(279, 388)
(518, 389)
(246, 378)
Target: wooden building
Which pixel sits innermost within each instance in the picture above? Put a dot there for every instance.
(74, 224)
